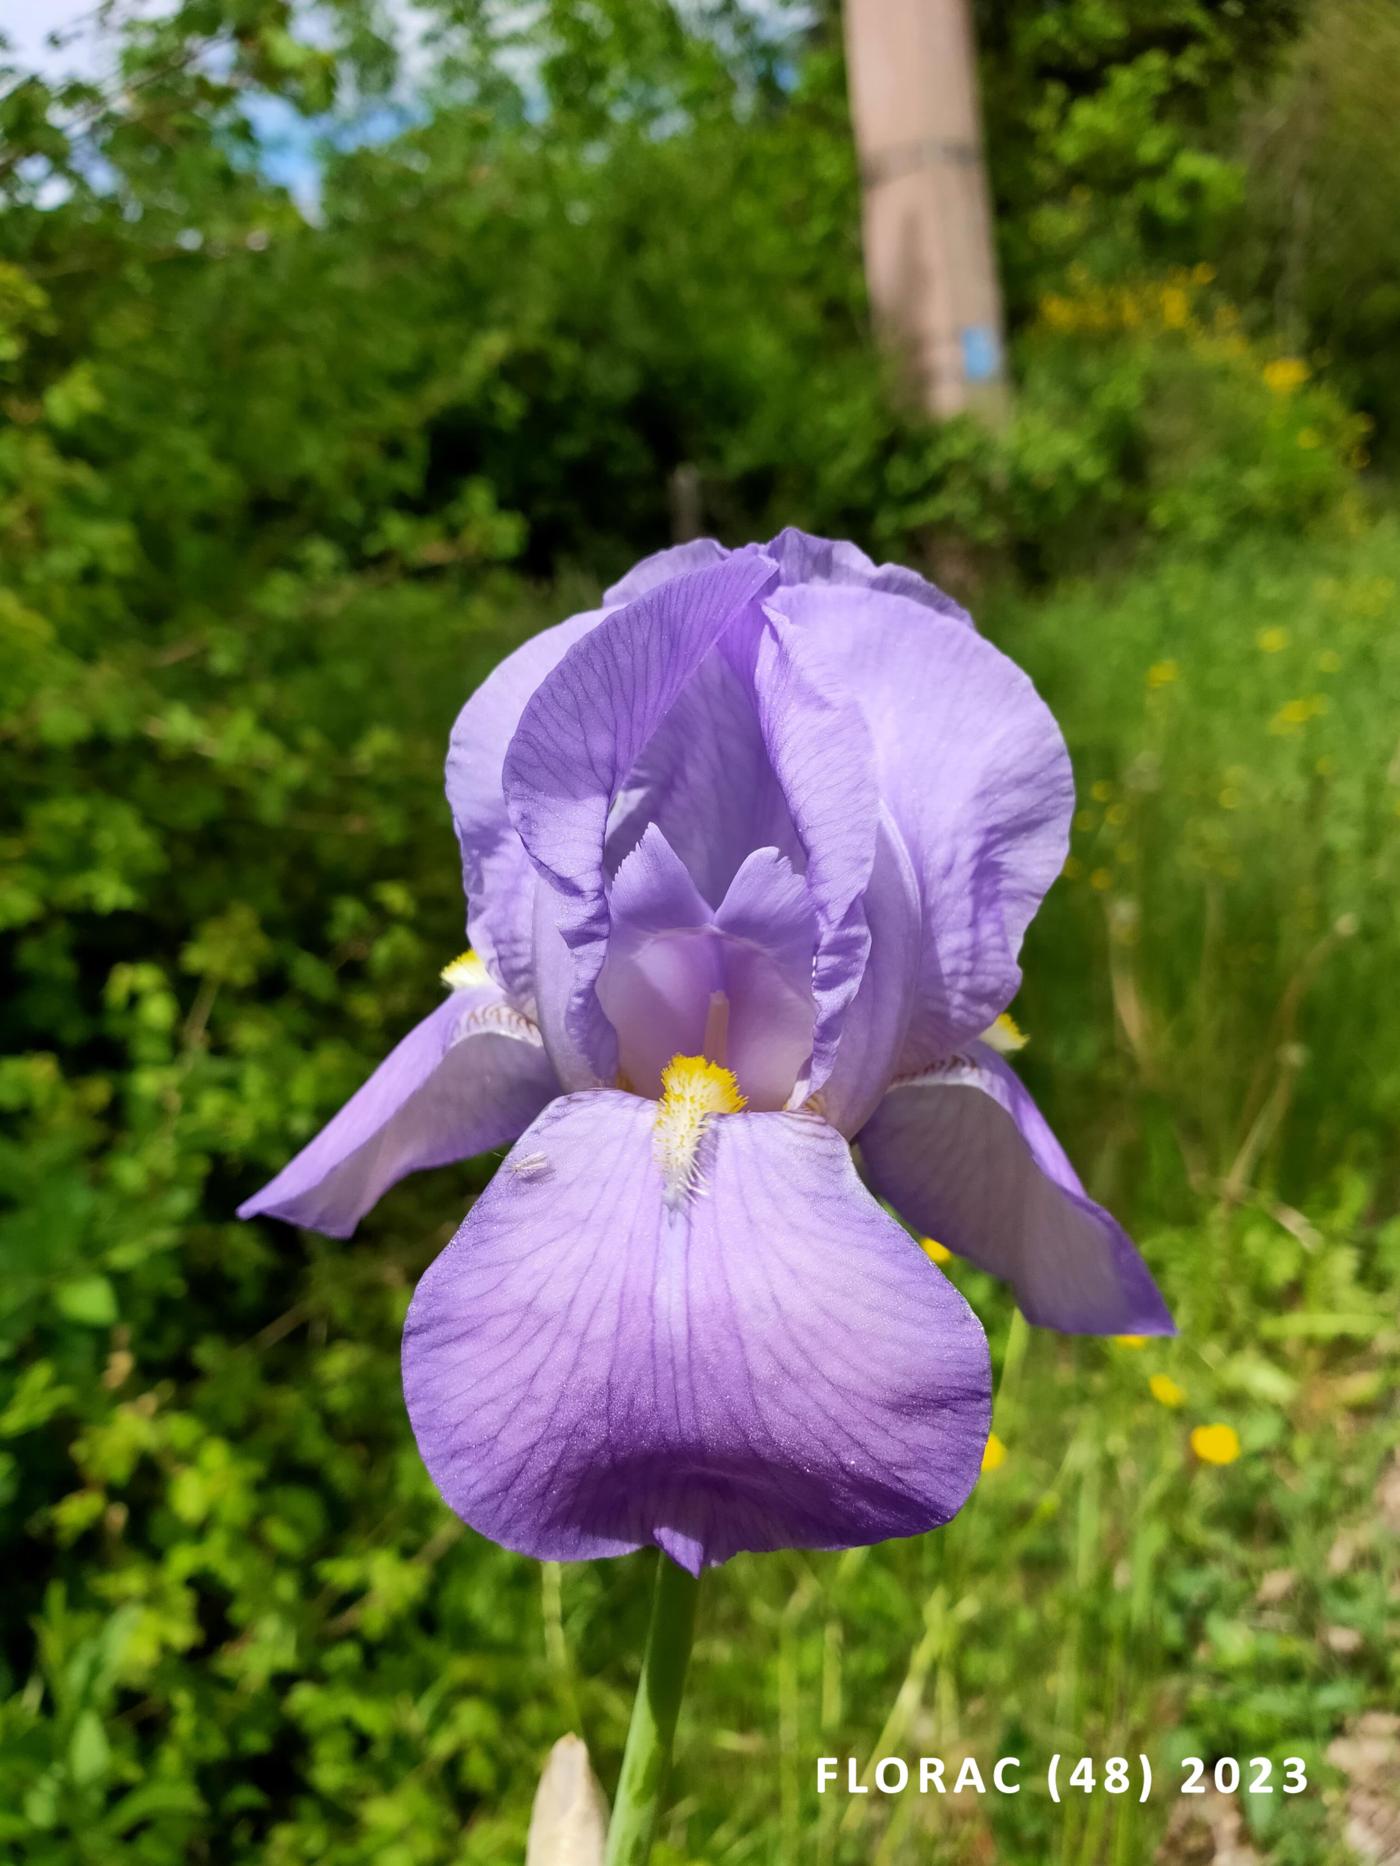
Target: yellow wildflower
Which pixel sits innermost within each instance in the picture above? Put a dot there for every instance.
(1166, 1391)
(938, 1253)
(1294, 714)
(1285, 374)
(1176, 307)
(1130, 1341)
(1216, 1444)
(994, 1455)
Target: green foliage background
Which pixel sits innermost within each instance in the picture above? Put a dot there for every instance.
(278, 485)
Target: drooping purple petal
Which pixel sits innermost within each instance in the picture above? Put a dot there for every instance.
(801, 558)
(770, 1365)
(974, 773)
(496, 871)
(966, 1156)
(579, 736)
(471, 1076)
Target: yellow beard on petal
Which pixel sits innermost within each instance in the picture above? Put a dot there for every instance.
(1005, 1036)
(692, 1089)
(465, 971)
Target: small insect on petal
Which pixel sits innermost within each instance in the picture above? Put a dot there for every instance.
(1216, 1444)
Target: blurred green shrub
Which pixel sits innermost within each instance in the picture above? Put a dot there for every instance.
(1318, 245)
(1113, 129)
(1144, 411)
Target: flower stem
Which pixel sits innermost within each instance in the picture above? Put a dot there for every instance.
(647, 1757)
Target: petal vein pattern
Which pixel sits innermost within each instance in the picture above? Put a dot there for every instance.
(579, 736)
(974, 773)
(965, 1156)
(471, 1076)
(769, 1363)
(821, 751)
(496, 871)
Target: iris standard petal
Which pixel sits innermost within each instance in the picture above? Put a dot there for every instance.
(706, 781)
(581, 733)
(677, 560)
(769, 1364)
(801, 558)
(496, 871)
(874, 1029)
(819, 745)
(471, 1076)
(975, 775)
(964, 1154)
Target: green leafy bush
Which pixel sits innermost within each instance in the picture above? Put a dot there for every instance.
(1317, 243)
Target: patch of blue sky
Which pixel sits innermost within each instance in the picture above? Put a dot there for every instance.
(291, 149)
(58, 38)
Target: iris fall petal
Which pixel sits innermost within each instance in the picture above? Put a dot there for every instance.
(771, 1364)
(965, 1156)
(470, 1077)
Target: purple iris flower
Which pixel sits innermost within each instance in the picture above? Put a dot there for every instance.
(749, 851)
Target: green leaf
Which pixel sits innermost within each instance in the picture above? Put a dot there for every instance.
(152, 1800)
(88, 1300)
(89, 1752)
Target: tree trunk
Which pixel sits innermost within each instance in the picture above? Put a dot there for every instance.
(930, 262)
